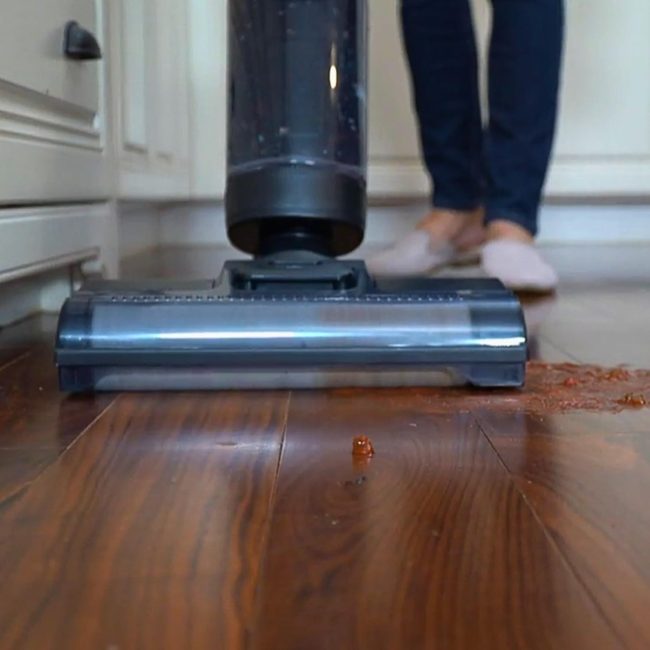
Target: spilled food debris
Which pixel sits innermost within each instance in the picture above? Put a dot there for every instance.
(357, 482)
(550, 388)
(553, 387)
(635, 401)
(362, 446)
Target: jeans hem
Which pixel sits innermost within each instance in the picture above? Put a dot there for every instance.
(527, 222)
(460, 205)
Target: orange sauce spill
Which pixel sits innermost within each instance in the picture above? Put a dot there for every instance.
(362, 446)
(635, 401)
(550, 388)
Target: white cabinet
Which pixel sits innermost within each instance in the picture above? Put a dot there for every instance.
(52, 145)
(208, 32)
(150, 94)
(37, 239)
(394, 164)
(603, 143)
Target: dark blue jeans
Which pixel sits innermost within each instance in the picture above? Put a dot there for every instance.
(502, 166)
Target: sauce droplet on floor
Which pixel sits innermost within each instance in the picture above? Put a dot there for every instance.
(362, 446)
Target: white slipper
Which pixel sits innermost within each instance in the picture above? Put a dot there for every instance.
(519, 266)
(413, 255)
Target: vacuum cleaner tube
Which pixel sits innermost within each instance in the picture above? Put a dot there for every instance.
(297, 126)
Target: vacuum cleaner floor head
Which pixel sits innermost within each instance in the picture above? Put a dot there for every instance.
(296, 196)
(266, 324)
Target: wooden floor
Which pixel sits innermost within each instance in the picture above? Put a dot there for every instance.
(229, 521)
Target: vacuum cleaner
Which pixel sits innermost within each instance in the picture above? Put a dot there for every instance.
(298, 313)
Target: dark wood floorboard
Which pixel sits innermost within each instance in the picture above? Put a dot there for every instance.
(427, 545)
(149, 531)
(9, 355)
(587, 477)
(37, 422)
(19, 467)
(28, 332)
(34, 413)
(194, 521)
(18, 339)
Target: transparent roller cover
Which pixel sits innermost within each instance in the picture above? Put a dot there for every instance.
(116, 336)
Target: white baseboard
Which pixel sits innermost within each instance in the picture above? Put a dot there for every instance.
(203, 224)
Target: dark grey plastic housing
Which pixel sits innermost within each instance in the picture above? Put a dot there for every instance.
(297, 125)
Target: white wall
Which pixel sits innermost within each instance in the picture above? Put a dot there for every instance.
(603, 142)
(140, 227)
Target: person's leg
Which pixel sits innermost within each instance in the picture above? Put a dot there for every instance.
(441, 50)
(524, 69)
(524, 73)
(440, 45)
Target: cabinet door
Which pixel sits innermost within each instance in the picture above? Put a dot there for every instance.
(208, 30)
(51, 136)
(150, 97)
(603, 143)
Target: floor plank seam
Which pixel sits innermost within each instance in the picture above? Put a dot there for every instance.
(11, 362)
(89, 426)
(269, 522)
(571, 357)
(25, 487)
(17, 494)
(554, 545)
(30, 448)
